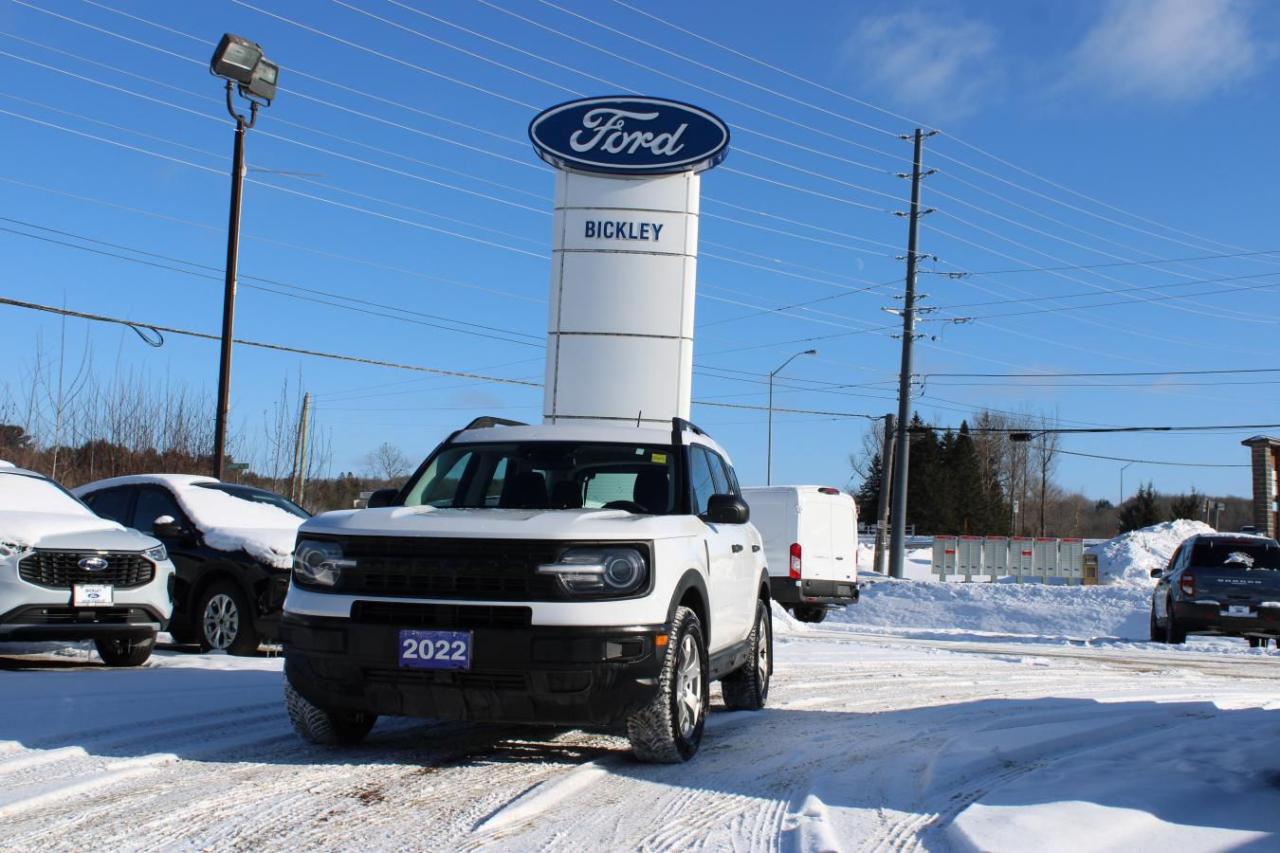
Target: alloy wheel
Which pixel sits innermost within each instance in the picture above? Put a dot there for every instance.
(221, 621)
(688, 685)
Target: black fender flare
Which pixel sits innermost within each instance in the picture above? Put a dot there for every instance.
(691, 580)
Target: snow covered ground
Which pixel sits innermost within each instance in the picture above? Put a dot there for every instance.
(869, 742)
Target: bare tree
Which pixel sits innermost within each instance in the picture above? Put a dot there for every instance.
(387, 462)
(1044, 453)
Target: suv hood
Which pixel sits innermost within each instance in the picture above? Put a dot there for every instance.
(70, 532)
(565, 524)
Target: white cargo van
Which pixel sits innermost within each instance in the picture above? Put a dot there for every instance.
(810, 545)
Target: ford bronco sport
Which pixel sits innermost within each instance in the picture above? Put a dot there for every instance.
(584, 575)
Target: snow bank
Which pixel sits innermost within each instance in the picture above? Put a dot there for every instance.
(1130, 557)
(1075, 612)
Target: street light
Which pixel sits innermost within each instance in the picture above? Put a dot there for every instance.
(1122, 467)
(240, 61)
(768, 477)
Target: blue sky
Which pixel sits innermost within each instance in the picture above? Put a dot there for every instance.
(410, 184)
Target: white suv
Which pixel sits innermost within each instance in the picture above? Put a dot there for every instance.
(592, 576)
(66, 574)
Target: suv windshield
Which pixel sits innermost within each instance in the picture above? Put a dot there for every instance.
(1244, 554)
(258, 496)
(23, 493)
(549, 475)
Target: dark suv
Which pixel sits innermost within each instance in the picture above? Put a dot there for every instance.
(232, 547)
(1226, 584)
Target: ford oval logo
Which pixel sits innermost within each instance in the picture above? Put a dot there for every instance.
(93, 564)
(625, 135)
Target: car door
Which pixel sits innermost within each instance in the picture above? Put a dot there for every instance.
(721, 559)
(153, 502)
(744, 543)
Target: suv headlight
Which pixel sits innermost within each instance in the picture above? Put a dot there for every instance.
(157, 554)
(12, 549)
(599, 570)
(319, 563)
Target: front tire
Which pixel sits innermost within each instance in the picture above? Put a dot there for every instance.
(669, 730)
(1174, 634)
(226, 622)
(125, 651)
(323, 727)
(747, 688)
(809, 613)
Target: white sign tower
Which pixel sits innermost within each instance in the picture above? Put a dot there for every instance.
(624, 255)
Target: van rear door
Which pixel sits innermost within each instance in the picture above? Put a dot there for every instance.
(844, 536)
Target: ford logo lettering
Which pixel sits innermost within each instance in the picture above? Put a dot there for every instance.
(93, 564)
(624, 135)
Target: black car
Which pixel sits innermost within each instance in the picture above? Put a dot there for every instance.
(1222, 584)
(231, 545)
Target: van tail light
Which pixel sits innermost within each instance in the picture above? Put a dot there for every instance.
(795, 561)
(1187, 583)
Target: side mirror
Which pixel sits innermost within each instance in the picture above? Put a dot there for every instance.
(383, 497)
(167, 527)
(1155, 573)
(727, 509)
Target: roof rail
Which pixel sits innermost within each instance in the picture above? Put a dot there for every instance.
(682, 424)
(486, 421)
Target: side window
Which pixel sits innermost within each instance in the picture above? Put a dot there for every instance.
(731, 478)
(717, 473)
(700, 480)
(112, 504)
(153, 503)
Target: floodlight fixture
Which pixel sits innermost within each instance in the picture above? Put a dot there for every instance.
(263, 82)
(235, 59)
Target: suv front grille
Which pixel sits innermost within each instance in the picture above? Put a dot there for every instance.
(61, 569)
(446, 617)
(449, 568)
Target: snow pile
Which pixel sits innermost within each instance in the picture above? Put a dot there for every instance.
(227, 523)
(1130, 557)
(948, 610)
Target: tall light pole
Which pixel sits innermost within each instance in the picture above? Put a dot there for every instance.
(238, 61)
(1122, 467)
(768, 475)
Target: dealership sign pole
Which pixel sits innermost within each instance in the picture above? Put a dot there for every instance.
(624, 255)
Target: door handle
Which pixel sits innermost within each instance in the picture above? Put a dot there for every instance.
(755, 549)
(737, 548)
(839, 558)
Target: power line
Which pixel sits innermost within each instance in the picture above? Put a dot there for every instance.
(1231, 370)
(1153, 461)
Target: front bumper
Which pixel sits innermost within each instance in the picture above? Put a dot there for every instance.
(522, 674)
(1208, 619)
(61, 622)
(811, 591)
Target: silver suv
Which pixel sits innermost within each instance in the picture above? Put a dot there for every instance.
(66, 574)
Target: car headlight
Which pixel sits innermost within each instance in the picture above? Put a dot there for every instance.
(599, 570)
(157, 554)
(318, 562)
(11, 549)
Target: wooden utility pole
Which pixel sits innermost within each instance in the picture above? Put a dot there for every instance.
(298, 479)
(886, 480)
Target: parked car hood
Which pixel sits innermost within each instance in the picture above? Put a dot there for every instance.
(70, 532)
(589, 524)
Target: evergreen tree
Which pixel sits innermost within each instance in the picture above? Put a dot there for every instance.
(922, 478)
(969, 507)
(868, 496)
(1186, 506)
(1140, 510)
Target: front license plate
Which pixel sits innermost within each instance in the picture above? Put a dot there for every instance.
(91, 595)
(435, 649)
(1237, 610)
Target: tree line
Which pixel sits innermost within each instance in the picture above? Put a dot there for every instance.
(994, 476)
